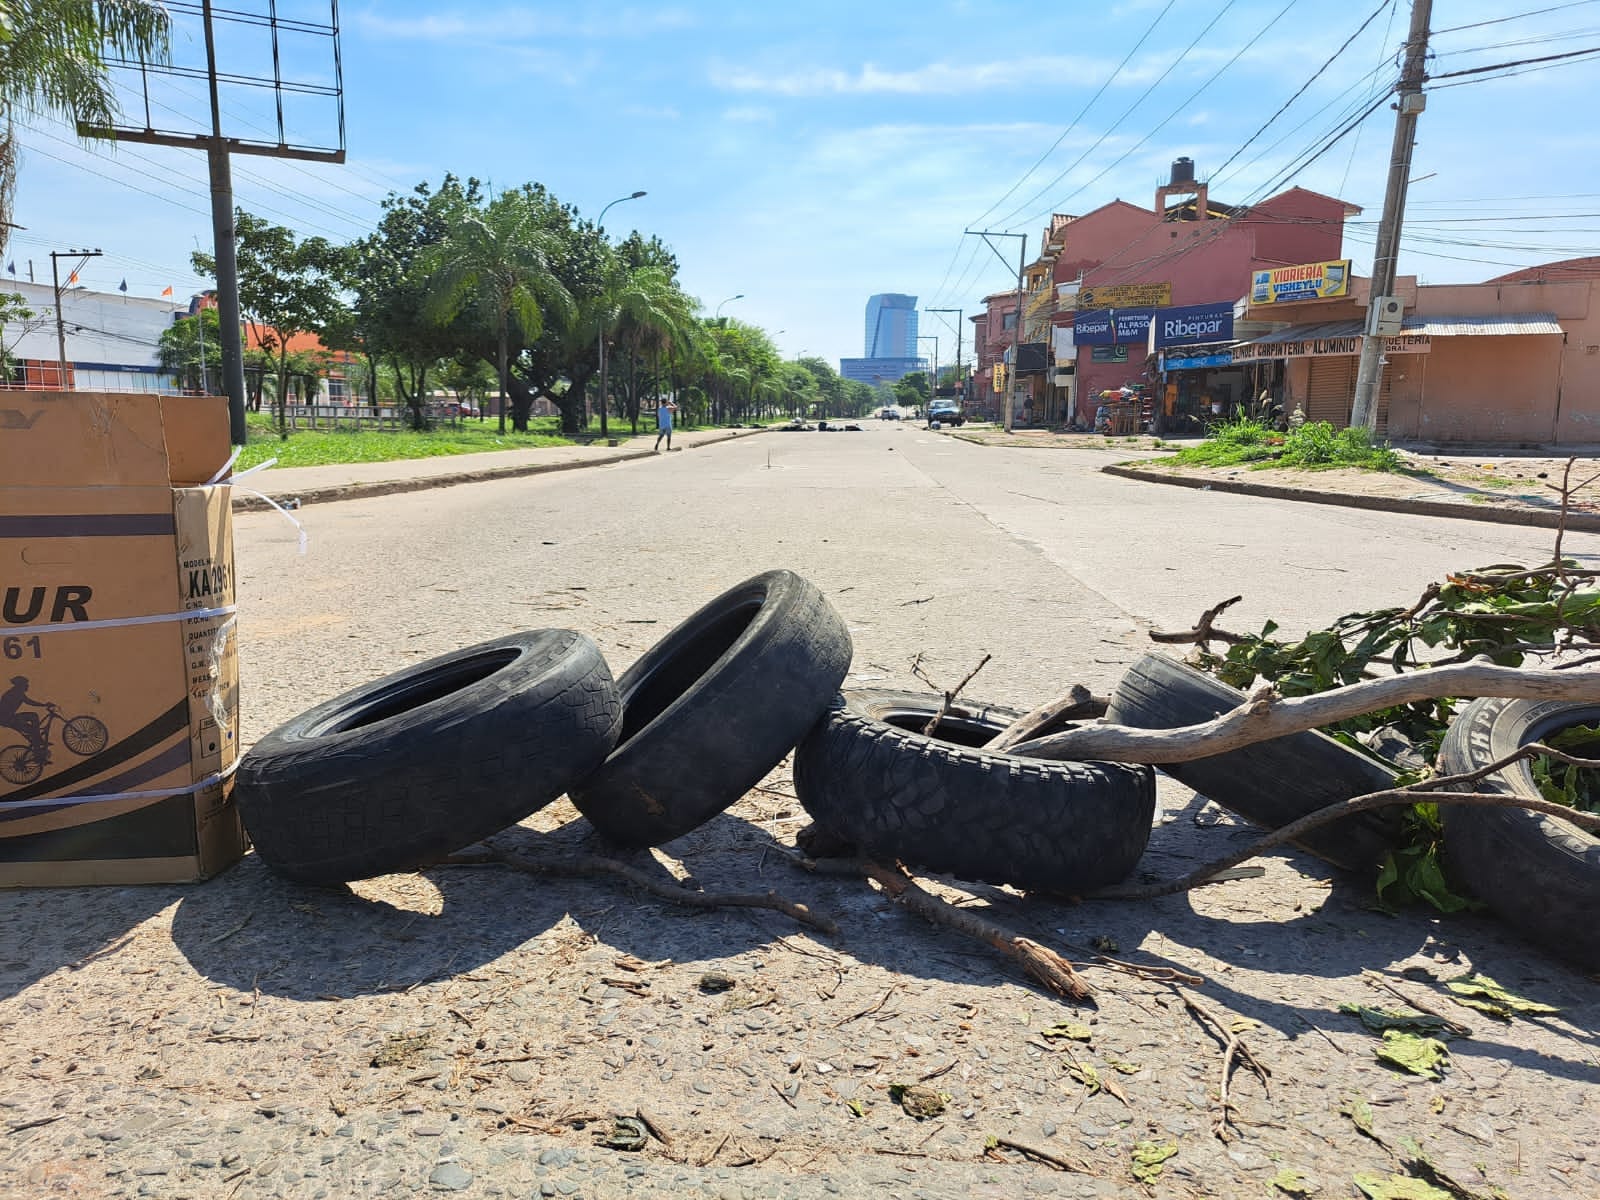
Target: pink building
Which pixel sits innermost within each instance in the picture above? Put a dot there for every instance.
(1193, 250)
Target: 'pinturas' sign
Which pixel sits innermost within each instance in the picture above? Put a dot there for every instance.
(1194, 324)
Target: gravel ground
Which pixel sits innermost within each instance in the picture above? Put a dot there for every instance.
(478, 1031)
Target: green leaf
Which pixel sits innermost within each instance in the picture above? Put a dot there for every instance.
(1360, 1114)
(1380, 1019)
(1086, 1075)
(1290, 1182)
(1417, 1055)
(1148, 1157)
(1399, 1187)
(1072, 1030)
(1486, 996)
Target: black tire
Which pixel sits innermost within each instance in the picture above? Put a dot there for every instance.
(20, 764)
(868, 774)
(714, 706)
(395, 774)
(1269, 783)
(1539, 873)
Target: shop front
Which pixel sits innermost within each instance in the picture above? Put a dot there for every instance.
(1199, 381)
(1317, 367)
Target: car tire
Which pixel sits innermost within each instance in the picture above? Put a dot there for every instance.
(1538, 873)
(399, 772)
(868, 774)
(1269, 783)
(714, 706)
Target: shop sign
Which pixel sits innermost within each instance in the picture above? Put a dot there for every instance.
(1189, 362)
(1112, 326)
(999, 377)
(1108, 354)
(1308, 281)
(1405, 343)
(1195, 324)
(1125, 295)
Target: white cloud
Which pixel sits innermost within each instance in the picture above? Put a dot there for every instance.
(520, 23)
(750, 114)
(932, 79)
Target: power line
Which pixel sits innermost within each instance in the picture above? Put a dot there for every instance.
(1222, 12)
(1521, 62)
(1300, 91)
(1537, 12)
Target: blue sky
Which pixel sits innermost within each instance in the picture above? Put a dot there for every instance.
(810, 155)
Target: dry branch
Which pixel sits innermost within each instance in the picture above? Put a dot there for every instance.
(1233, 1049)
(1264, 714)
(582, 865)
(1078, 703)
(1042, 963)
(950, 697)
(1202, 633)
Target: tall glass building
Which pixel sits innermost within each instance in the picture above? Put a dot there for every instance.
(891, 326)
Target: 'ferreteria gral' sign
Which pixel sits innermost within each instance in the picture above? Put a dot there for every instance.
(1330, 347)
(1309, 281)
(1125, 295)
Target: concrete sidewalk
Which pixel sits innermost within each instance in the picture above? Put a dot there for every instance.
(1505, 488)
(353, 481)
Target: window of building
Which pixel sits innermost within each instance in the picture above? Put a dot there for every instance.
(1008, 321)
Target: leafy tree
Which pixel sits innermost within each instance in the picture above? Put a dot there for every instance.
(181, 346)
(286, 287)
(649, 313)
(53, 60)
(830, 385)
(499, 258)
(17, 320)
(912, 390)
(386, 272)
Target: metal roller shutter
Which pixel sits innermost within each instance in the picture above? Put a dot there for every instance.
(1332, 389)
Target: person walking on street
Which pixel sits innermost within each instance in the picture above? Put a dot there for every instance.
(664, 411)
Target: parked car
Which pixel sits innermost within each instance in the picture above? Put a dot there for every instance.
(945, 412)
(889, 414)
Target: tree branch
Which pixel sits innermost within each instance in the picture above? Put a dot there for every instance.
(1264, 714)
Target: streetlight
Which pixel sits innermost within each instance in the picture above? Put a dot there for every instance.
(933, 382)
(600, 226)
(960, 378)
(601, 223)
(729, 300)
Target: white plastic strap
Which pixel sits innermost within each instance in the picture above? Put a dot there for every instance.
(227, 610)
(233, 481)
(187, 789)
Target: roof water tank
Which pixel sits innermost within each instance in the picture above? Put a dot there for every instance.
(1182, 171)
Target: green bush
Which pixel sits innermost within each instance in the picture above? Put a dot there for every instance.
(1238, 441)
(1318, 444)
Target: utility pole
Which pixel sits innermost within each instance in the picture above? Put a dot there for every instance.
(961, 381)
(1016, 332)
(933, 381)
(1409, 103)
(82, 256)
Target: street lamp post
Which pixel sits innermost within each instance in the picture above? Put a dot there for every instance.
(600, 226)
(960, 378)
(729, 300)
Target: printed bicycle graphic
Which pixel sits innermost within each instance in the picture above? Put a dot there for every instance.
(83, 735)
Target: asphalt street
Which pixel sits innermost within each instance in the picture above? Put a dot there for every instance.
(927, 544)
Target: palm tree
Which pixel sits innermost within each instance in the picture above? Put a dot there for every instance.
(500, 258)
(649, 310)
(53, 61)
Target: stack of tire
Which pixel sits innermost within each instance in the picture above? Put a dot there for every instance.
(398, 773)
(403, 771)
(1541, 874)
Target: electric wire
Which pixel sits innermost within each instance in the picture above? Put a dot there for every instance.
(1537, 12)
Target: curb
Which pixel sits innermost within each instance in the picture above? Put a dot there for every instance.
(1580, 522)
(421, 483)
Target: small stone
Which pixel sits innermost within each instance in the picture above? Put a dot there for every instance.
(450, 1177)
(556, 1156)
(428, 1131)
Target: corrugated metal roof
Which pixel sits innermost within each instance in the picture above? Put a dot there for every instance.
(1471, 325)
(1489, 323)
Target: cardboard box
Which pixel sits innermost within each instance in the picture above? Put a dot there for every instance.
(116, 608)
